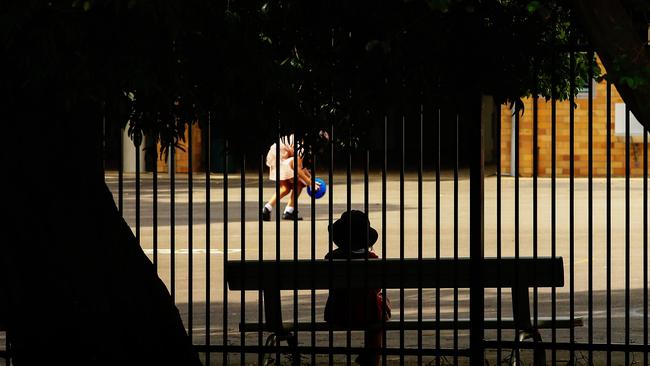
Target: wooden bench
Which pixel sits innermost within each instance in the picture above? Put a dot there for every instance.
(518, 274)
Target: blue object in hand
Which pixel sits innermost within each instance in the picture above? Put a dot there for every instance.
(320, 192)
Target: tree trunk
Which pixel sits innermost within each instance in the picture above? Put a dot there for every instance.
(76, 288)
(613, 34)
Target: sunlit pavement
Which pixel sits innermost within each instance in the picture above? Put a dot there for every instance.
(243, 239)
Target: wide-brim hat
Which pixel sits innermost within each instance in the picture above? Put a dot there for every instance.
(353, 225)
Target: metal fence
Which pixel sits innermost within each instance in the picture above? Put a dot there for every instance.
(431, 196)
(593, 217)
(191, 224)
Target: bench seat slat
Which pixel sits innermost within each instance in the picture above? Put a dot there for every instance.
(392, 273)
(427, 324)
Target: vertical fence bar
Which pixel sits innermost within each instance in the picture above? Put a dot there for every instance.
(627, 235)
(120, 175)
(401, 240)
(515, 169)
(8, 361)
(190, 237)
(137, 191)
(104, 153)
(172, 220)
(553, 205)
(260, 251)
(278, 141)
(535, 175)
(437, 157)
(420, 234)
(242, 234)
(366, 183)
(477, 173)
(645, 246)
(572, 65)
(331, 204)
(590, 203)
(155, 208)
(366, 210)
(208, 162)
(609, 222)
(313, 253)
(498, 228)
(297, 165)
(384, 170)
(456, 158)
(348, 208)
(330, 238)
(225, 251)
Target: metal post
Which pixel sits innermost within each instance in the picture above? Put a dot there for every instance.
(242, 206)
(437, 157)
(627, 234)
(384, 190)
(225, 252)
(172, 220)
(455, 274)
(482, 110)
(155, 208)
(401, 241)
(136, 143)
(498, 236)
(190, 232)
(207, 237)
(609, 222)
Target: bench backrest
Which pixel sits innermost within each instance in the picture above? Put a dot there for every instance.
(392, 273)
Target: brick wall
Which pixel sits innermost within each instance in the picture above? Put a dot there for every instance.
(581, 138)
(181, 160)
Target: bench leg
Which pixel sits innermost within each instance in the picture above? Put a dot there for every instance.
(270, 342)
(514, 359)
(539, 355)
(274, 340)
(292, 341)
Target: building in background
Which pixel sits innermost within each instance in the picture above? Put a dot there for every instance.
(581, 137)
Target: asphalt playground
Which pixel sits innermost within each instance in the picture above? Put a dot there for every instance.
(236, 232)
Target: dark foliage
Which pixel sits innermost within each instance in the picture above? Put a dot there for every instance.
(259, 64)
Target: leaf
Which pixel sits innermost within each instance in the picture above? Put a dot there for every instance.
(264, 38)
(231, 16)
(372, 44)
(533, 6)
(87, 5)
(439, 5)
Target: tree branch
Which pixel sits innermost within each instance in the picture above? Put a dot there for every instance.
(613, 34)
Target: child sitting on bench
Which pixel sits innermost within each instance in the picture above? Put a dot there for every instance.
(354, 238)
